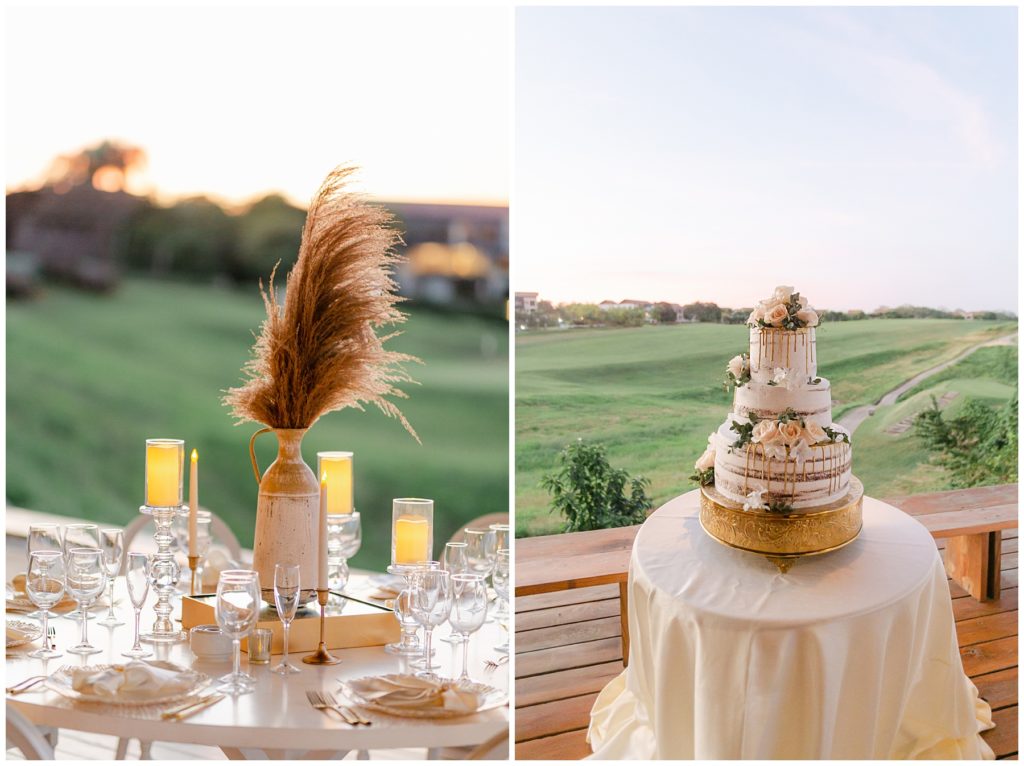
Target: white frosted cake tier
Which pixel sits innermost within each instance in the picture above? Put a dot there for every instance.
(812, 401)
(774, 348)
(823, 478)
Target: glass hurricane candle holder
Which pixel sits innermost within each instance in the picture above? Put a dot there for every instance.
(338, 468)
(412, 532)
(165, 469)
(164, 573)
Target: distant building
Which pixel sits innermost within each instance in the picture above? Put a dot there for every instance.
(607, 305)
(526, 303)
(633, 303)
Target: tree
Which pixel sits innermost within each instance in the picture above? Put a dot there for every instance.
(624, 317)
(590, 494)
(664, 313)
(581, 313)
(703, 312)
(268, 232)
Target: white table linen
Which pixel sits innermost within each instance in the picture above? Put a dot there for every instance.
(851, 654)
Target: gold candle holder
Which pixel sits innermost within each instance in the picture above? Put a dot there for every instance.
(193, 562)
(321, 656)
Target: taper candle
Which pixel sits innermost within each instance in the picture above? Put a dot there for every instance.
(193, 504)
(321, 582)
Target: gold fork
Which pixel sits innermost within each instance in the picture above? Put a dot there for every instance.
(317, 700)
(24, 686)
(359, 718)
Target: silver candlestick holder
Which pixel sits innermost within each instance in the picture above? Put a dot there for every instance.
(164, 573)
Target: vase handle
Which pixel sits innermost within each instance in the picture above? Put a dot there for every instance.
(252, 452)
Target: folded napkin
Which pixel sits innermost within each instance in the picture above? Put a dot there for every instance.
(412, 692)
(136, 680)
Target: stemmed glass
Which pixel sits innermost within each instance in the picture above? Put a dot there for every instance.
(136, 575)
(431, 605)
(44, 585)
(502, 534)
(79, 536)
(499, 579)
(238, 607)
(86, 578)
(286, 598)
(469, 609)
(44, 537)
(409, 644)
(344, 539)
(453, 561)
(112, 545)
(481, 545)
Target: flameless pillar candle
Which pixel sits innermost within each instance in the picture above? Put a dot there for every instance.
(321, 579)
(165, 462)
(412, 530)
(338, 467)
(193, 504)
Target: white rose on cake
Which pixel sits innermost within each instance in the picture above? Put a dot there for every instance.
(706, 461)
(776, 315)
(815, 433)
(790, 432)
(808, 316)
(736, 366)
(783, 293)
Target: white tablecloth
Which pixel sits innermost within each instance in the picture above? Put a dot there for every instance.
(852, 654)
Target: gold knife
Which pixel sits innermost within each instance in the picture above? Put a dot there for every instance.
(205, 702)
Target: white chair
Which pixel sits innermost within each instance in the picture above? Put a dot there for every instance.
(24, 736)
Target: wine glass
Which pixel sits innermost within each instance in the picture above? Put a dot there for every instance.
(238, 608)
(409, 645)
(453, 560)
(286, 598)
(112, 545)
(44, 537)
(79, 536)
(136, 575)
(431, 605)
(204, 538)
(44, 585)
(344, 539)
(502, 535)
(480, 548)
(469, 609)
(86, 578)
(499, 579)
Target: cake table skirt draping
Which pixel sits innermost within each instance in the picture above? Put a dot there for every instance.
(852, 654)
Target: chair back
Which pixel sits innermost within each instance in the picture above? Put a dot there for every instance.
(480, 522)
(219, 532)
(22, 734)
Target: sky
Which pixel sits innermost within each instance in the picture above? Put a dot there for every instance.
(238, 102)
(866, 156)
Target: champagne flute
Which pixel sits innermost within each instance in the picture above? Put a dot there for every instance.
(238, 607)
(499, 579)
(453, 560)
(44, 585)
(431, 605)
(286, 598)
(112, 545)
(137, 577)
(44, 537)
(86, 579)
(79, 536)
(469, 609)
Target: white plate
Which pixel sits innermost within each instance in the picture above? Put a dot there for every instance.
(492, 698)
(60, 682)
(32, 631)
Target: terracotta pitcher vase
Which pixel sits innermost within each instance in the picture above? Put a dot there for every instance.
(287, 514)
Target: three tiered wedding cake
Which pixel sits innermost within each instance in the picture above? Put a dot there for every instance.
(778, 457)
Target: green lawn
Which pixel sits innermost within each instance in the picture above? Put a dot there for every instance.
(653, 394)
(90, 378)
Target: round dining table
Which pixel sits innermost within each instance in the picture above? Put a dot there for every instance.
(276, 720)
(850, 654)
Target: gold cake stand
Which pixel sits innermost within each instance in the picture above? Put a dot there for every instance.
(783, 538)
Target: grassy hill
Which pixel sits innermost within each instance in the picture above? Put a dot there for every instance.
(90, 378)
(653, 394)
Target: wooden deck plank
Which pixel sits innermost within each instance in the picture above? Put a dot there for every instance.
(965, 607)
(571, 746)
(987, 628)
(574, 633)
(1003, 738)
(565, 615)
(551, 718)
(998, 689)
(565, 683)
(568, 657)
(990, 656)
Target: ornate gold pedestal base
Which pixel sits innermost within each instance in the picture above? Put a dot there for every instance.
(783, 538)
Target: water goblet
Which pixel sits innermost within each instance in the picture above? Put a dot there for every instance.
(344, 539)
(431, 605)
(286, 598)
(86, 578)
(44, 537)
(112, 545)
(409, 645)
(453, 560)
(136, 575)
(469, 609)
(79, 536)
(238, 607)
(44, 585)
(499, 579)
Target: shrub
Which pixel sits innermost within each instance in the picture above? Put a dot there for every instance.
(590, 494)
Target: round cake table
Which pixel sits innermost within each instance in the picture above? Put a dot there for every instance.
(852, 654)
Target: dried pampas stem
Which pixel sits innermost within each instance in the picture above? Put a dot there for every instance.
(320, 351)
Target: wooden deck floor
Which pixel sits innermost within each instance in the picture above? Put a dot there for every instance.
(568, 647)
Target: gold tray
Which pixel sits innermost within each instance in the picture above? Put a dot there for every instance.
(783, 538)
